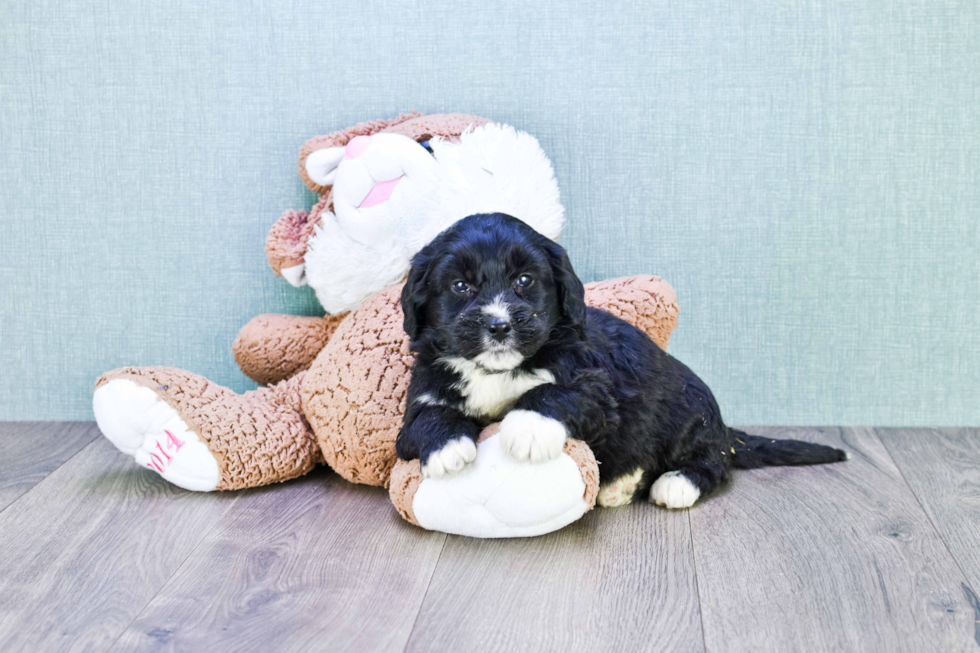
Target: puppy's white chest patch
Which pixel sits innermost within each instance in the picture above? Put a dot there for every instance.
(493, 394)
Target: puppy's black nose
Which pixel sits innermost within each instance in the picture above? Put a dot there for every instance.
(499, 329)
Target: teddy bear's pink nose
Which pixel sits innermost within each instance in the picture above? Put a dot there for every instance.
(356, 146)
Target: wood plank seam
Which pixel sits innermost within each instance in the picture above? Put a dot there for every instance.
(832, 525)
(697, 583)
(425, 594)
(968, 591)
(73, 456)
(176, 569)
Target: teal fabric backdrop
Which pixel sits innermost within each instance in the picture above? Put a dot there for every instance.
(806, 175)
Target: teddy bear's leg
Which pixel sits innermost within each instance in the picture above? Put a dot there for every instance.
(201, 436)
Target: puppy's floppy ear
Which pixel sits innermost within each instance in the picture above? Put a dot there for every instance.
(415, 293)
(571, 292)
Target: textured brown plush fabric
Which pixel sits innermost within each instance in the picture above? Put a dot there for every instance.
(406, 476)
(285, 246)
(258, 438)
(354, 393)
(582, 454)
(272, 347)
(642, 300)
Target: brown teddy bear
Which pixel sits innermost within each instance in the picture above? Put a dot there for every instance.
(336, 385)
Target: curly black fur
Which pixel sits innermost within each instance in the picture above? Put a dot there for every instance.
(605, 380)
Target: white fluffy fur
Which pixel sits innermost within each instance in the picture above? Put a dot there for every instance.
(491, 395)
(134, 419)
(527, 435)
(499, 359)
(355, 252)
(619, 492)
(453, 457)
(674, 490)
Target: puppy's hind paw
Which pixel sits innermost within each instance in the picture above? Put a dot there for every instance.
(620, 491)
(453, 457)
(527, 435)
(674, 490)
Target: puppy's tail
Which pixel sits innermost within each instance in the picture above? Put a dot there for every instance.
(752, 451)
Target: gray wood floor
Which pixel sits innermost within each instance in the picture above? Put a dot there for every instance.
(881, 553)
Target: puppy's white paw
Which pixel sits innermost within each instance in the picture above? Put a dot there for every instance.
(619, 492)
(527, 435)
(453, 457)
(674, 490)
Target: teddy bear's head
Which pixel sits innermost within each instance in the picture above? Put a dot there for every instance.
(389, 187)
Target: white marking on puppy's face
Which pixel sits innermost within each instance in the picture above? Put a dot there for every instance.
(527, 435)
(453, 457)
(489, 394)
(674, 490)
(498, 356)
(619, 492)
(497, 308)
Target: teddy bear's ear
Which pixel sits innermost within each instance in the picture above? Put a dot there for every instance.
(321, 165)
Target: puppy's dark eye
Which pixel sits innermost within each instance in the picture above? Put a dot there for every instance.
(426, 145)
(525, 280)
(460, 287)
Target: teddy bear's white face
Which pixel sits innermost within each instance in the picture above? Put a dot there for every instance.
(393, 195)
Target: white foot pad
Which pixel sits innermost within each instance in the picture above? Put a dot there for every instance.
(145, 427)
(497, 496)
(674, 490)
(454, 456)
(526, 435)
(619, 492)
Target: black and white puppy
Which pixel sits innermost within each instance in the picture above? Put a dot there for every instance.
(500, 329)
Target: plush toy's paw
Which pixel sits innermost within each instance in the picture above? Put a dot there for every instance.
(497, 496)
(674, 490)
(619, 492)
(142, 425)
(527, 435)
(453, 457)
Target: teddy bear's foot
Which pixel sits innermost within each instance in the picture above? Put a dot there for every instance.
(141, 425)
(497, 496)
(201, 436)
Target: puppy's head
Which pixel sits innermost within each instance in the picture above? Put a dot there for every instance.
(491, 290)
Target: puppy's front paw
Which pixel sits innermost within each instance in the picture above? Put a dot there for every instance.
(453, 457)
(526, 435)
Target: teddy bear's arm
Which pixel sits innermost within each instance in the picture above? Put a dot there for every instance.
(271, 348)
(285, 245)
(643, 300)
